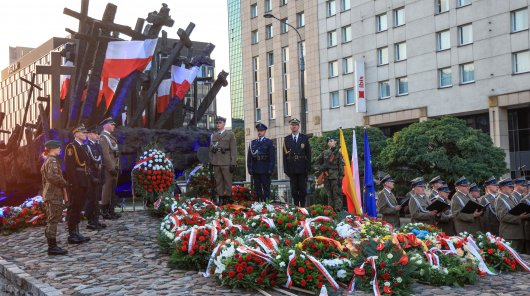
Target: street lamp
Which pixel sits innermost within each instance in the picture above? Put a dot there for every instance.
(302, 70)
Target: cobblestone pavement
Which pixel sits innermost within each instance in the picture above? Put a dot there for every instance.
(124, 259)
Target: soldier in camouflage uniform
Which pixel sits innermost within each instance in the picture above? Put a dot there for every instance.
(331, 164)
(54, 194)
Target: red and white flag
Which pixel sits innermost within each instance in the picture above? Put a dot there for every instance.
(108, 91)
(181, 80)
(122, 59)
(163, 92)
(65, 82)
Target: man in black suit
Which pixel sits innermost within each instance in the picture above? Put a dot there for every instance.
(297, 161)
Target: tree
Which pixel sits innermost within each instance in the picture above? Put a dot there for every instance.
(375, 135)
(445, 147)
(239, 174)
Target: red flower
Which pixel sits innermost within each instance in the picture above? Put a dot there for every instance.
(280, 221)
(387, 290)
(319, 285)
(239, 276)
(239, 269)
(289, 225)
(357, 270)
(382, 264)
(248, 257)
(259, 281)
(191, 252)
(404, 260)
(301, 270)
(490, 251)
(249, 269)
(380, 246)
(303, 283)
(231, 274)
(386, 276)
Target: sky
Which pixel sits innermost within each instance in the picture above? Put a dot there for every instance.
(30, 23)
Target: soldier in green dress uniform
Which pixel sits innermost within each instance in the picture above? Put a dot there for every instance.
(419, 202)
(331, 164)
(490, 221)
(444, 220)
(387, 203)
(511, 226)
(223, 152)
(469, 223)
(435, 183)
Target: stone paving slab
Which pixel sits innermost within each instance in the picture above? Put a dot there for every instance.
(124, 259)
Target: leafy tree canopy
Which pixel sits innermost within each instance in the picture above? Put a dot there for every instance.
(445, 147)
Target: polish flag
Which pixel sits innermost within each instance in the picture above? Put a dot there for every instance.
(65, 82)
(123, 58)
(181, 80)
(108, 92)
(162, 99)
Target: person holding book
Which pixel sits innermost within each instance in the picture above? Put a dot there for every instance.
(387, 203)
(519, 189)
(511, 226)
(474, 191)
(464, 222)
(419, 202)
(490, 221)
(444, 219)
(435, 183)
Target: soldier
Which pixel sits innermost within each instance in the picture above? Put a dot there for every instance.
(519, 189)
(490, 222)
(387, 204)
(419, 202)
(78, 176)
(95, 163)
(331, 164)
(111, 167)
(261, 158)
(54, 194)
(223, 152)
(297, 161)
(469, 223)
(435, 183)
(444, 220)
(474, 191)
(511, 226)
(526, 225)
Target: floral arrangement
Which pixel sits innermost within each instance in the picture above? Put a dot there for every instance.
(321, 210)
(200, 184)
(29, 213)
(241, 193)
(496, 253)
(447, 270)
(193, 247)
(153, 174)
(372, 228)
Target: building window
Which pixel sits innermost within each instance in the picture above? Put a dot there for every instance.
(399, 17)
(382, 56)
(330, 8)
(254, 10)
(334, 99)
(332, 38)
(300, 19)
(401, 51)
(333, 69)
(349, 96)
(465, 34)
(345, 5)
(268, 5)
(521, 62)
(441, 6)
(347, 65)
(460, 3)
(272, 112)
(254, 36)
(402, 86)
(283, 2)
(258, 114)
(284, 28)
(384, 89)
(346, 34)
(443, 40)
(268, 31)
(381, 22)
(467, 73)
(445, 77)
(520, 20)
(287, 109)
(285, 80)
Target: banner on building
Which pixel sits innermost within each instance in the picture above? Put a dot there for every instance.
(360, 98)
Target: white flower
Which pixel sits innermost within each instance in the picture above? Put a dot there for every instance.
(145, 152)
(282, 264)
(387, 284)
(278, 257)
(341, 274)
(389, 256)
(422, 271)
(445, 271)
(399, 280)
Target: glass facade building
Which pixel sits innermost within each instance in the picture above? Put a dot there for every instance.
(236, 62)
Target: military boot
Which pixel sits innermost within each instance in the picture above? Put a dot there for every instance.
(95, 221)
(53, 249)
(105, 212)
(73, 238)
(80, 236)
(112, 213)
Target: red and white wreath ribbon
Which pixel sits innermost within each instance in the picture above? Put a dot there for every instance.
(304, 211)
(268, 221)
(525, 265)
(324, 272)
(246, 250)
(474, 250)
(433, 259)
(193, 239)
(216, 251)
(306, 225)
(157, 202)
(375, 285)
(268, 244)
(289, 282)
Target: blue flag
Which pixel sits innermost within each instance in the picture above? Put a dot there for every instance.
(369, 188)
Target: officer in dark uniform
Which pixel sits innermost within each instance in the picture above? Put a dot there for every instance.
(261, 158)
(95, 160)
(78, 176)
(297, 161)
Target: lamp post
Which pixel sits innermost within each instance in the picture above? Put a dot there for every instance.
(302, 70)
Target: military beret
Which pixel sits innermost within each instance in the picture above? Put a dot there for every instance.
(491, 181)
(437, 179)
(220, 119)
(261, 127)
(294, 121)
(474, 187)
(332, 138)
(386, 178)
(81, 128)
(444, 188)
(108, 120)
(417, 182)
(462, 181)
(52, 144)
(506, 182)
(93, 129)
(520, 181)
